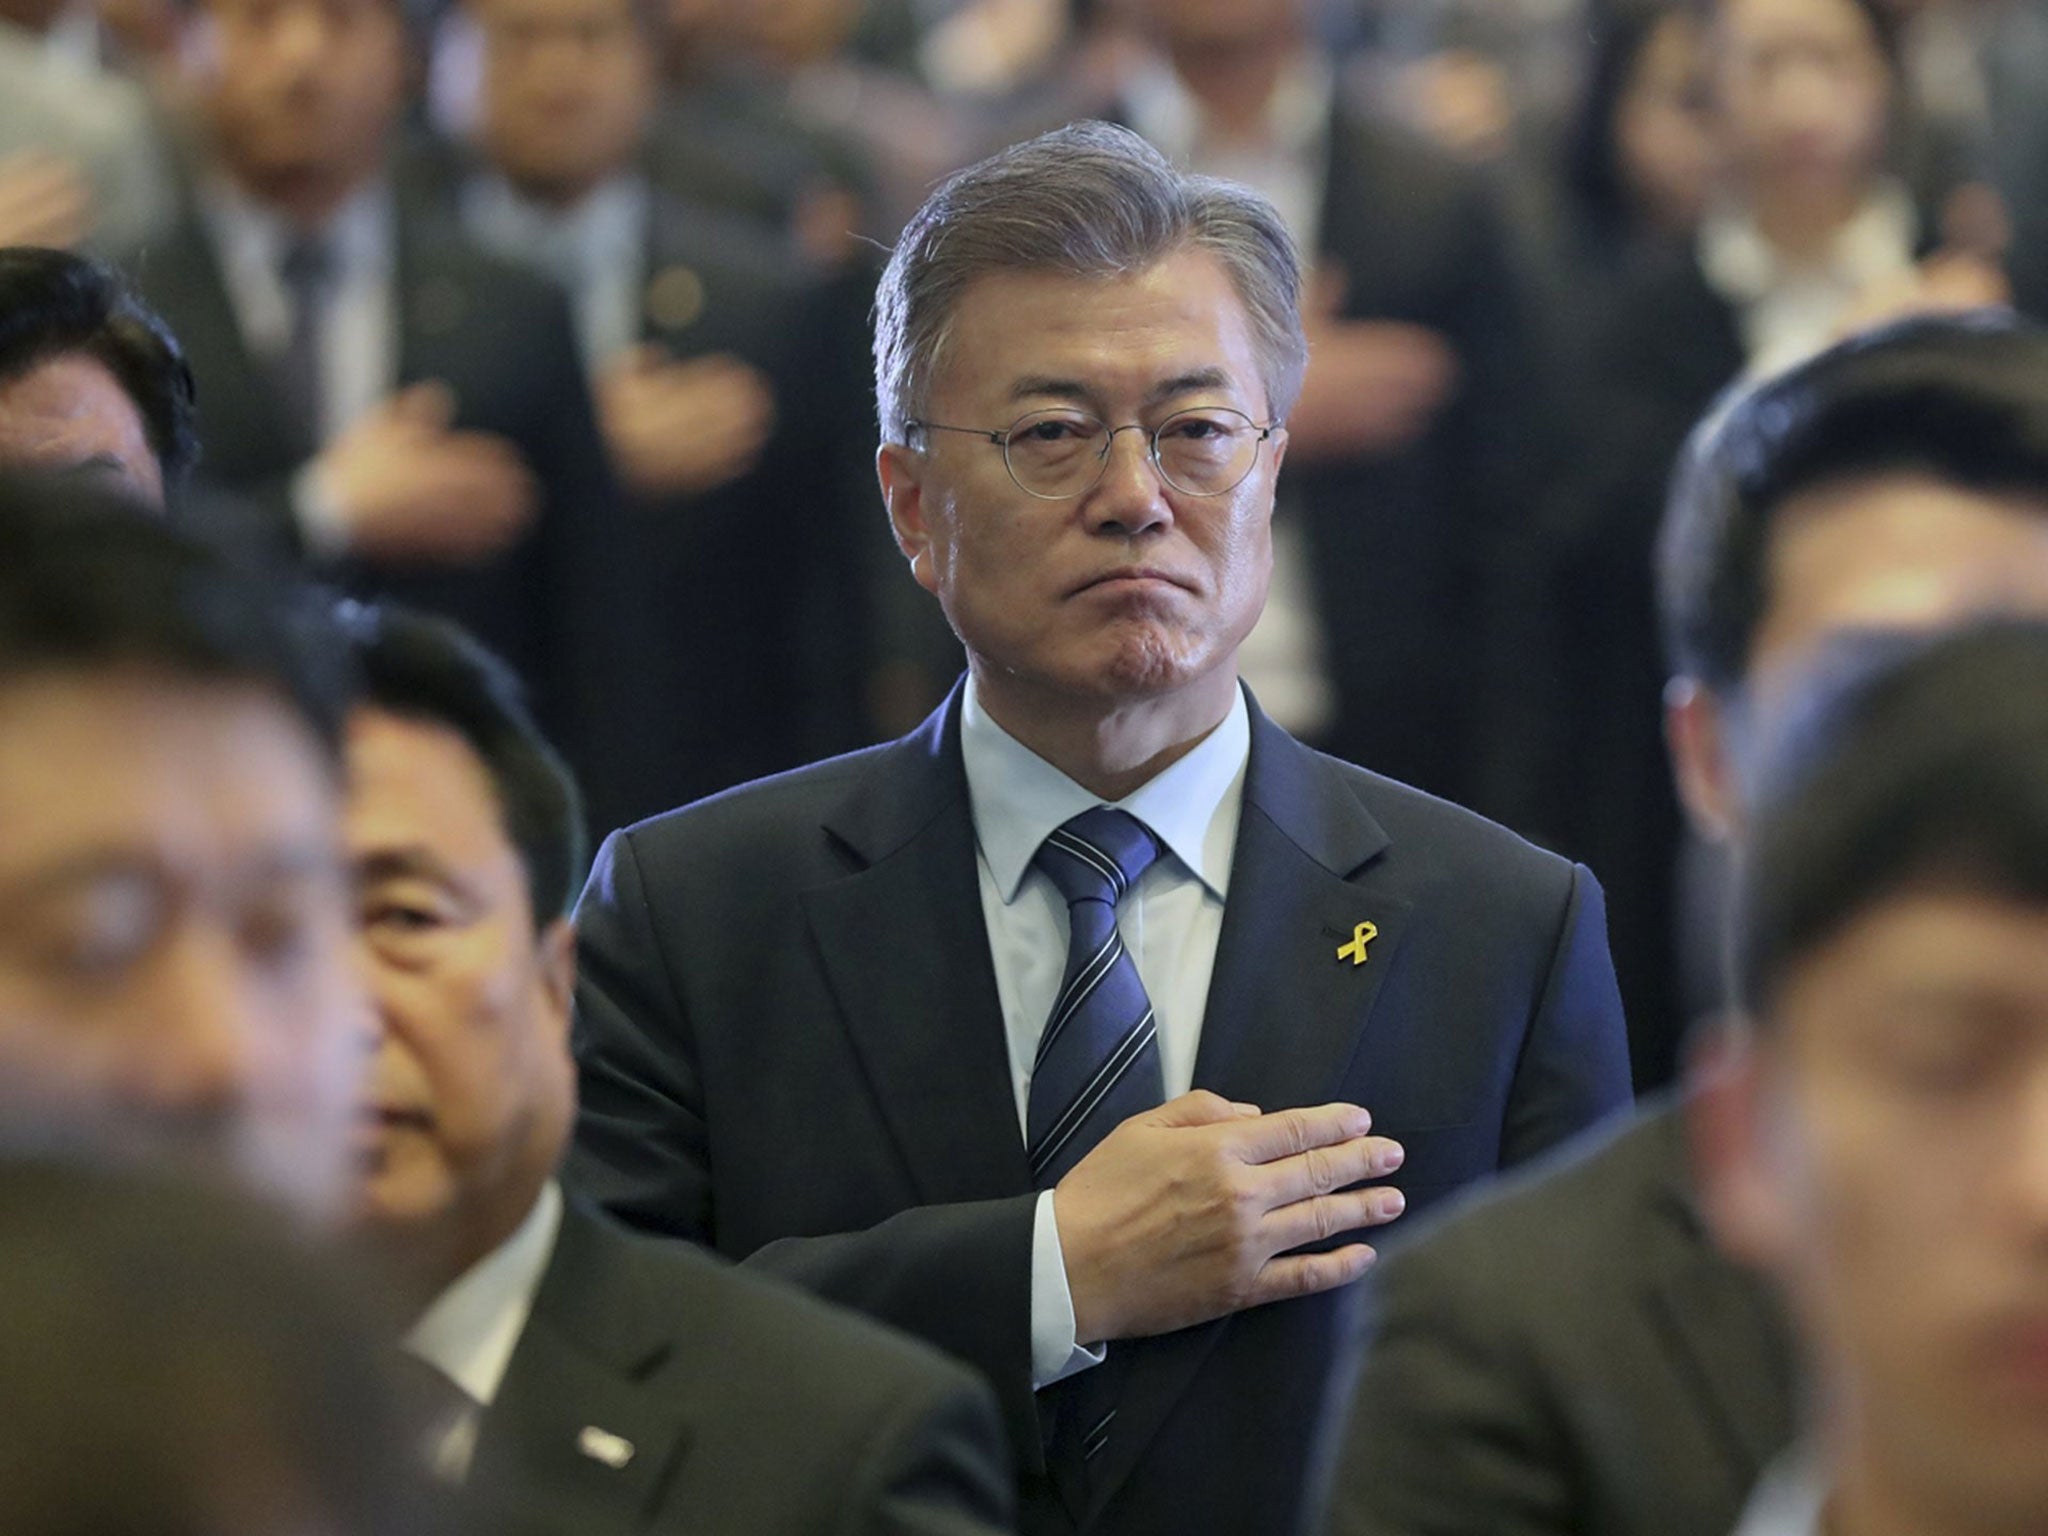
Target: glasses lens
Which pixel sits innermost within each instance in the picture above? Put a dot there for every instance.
(1056, 453)
(1207, 451)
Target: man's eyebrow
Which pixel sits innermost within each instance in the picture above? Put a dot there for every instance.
(413, 861)
(1038, 385)
(87, 866)
(1188, 383)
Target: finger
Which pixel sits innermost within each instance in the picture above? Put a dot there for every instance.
(1321, 1170)
(1201, 1107)
(1307, 1274)
(1322, 1217)
(428, 405)
(1290, 1132)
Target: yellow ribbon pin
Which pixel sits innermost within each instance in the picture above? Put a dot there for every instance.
(1361, 936)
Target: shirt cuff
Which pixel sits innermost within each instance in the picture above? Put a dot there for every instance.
(323, 527)
(1054, 1354)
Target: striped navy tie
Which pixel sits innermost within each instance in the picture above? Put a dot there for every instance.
(1098, 1060)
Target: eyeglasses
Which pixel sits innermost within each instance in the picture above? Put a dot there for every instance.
(1057, 454)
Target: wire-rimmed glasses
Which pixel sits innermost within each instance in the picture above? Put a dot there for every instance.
(1058, 453)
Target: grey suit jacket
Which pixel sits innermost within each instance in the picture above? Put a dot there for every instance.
(1568, 1357)
(745, 1408)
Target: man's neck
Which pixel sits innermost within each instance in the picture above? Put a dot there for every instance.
(561, 195)
(1867, 1499)
(308, 199)
(421, 1260)
(1236, 84)
(1802, 224)
(1109, 750)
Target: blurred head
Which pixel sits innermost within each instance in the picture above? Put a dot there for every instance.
(90, 379)
(568, 90)
(174, 945)
(1803, 90)
(1080, 274)
(1880, 1141)
(1644, 147)
(789, 33)
(1205, 25)
(464, 833)
(301, 95)
(176, 1362)
(1897, 481)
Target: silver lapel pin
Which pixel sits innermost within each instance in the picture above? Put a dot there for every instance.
(602, 1445)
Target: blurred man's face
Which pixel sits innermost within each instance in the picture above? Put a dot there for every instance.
(568, 88)
(305, 90)
(1132, 590)
(174, 955)
(471, 1093)
(1878, 552)
(1892, 1170)
(1204, 24)
(71, 415)
(1803, 89)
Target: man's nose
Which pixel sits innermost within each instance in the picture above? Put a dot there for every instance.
(1130, 498)
(196, 1057)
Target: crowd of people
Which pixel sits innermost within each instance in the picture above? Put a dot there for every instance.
(1487, 980)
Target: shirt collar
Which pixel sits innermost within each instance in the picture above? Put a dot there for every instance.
(470, 1331)
(1163, 110)
(1018, 798)
(252, 233)
(602, 227)
(1743, 266)
(1790, 1500)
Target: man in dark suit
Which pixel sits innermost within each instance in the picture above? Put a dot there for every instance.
(728, 382)
(1573, 1355)
(591, 1380)
(399, 406)
(1414, 447)
(918, 1027)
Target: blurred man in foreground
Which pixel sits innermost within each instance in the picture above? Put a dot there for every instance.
(173, 916)
(596, 1381)
(1573, 1356)
(1878, 1138)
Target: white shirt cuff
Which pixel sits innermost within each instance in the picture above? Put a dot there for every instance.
(323, 529)
(1054, 1354)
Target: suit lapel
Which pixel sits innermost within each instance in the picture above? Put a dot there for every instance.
(1285, 1012)
(1720, 1324)
(906, 954)
(576, 1439)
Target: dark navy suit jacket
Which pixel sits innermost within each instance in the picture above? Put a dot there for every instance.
(791, 1048)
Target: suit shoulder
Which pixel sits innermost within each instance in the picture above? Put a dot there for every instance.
(749, 816)
(1451, 833)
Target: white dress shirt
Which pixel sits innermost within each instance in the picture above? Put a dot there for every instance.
(470, 1331)
(1170, 924)
(1791, 1499)
(359, 333)
(1789, 311)
(1283, 657)
(596, 250)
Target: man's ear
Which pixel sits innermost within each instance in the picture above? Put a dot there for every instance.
(901, 471)
(557, 952)
(1730, 1136)
(1697, 737)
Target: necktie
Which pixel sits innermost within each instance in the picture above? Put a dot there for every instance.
(306, 272)
(1098, 1059)
(438, 1417)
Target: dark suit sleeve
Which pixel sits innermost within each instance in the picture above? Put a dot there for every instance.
(1449, 1434)
(958, 1275)
(1574, 1067)
(934, 1466)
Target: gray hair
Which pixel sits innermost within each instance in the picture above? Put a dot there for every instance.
(1089, 200)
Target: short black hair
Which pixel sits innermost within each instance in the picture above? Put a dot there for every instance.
(166, 1346)
(88, 584)
(1962, 398)
(1910, 762)
(57, 303)
(428, 668)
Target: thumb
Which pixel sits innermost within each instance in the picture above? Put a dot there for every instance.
(1200, 1107)
(428, 405)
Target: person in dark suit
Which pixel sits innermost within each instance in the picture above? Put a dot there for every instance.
(1416, 444)
(402, 410)
(90, 379)
(1574, 1355)
(1036, 1031)
(726, 378)
(592, 1380)
(1890, 957)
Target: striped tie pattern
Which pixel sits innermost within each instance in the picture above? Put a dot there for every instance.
(1098, 1060)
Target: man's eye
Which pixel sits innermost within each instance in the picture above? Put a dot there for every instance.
(1054, 430)
(401, 917)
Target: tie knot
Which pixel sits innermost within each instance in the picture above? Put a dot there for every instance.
(1098, 855)
(306, 264)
